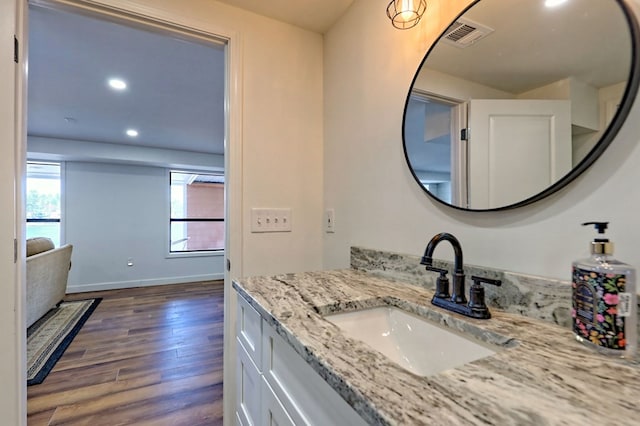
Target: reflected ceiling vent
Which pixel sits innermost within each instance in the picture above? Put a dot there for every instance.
(464, 32)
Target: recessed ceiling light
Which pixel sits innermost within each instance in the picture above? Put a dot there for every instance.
(554, 3)
(117, 84)
(132, 133)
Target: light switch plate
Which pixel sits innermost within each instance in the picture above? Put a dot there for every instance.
(271, 220)
(329, 221)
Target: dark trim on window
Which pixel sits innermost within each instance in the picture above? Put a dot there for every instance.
(198, 251)
(199, 219)
(43, 220)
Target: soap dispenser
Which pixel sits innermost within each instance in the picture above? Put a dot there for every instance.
(604, 300)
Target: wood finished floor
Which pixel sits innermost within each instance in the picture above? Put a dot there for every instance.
(146, 356)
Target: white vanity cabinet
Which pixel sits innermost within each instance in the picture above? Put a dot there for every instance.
(248, 364)
(275, 386)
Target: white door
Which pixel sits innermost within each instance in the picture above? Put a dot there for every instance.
(517, 148)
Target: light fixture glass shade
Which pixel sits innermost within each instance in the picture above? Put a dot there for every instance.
(405, 14)
(554, 3)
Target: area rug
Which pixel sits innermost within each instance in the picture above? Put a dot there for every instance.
(49, 337)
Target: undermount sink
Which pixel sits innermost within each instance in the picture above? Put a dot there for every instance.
(414, 343)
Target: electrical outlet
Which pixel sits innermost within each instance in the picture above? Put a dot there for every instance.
(329, 221)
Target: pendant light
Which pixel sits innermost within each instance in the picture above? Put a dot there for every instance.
(405, 14)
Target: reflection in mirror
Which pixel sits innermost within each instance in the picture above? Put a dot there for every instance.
(516, 99)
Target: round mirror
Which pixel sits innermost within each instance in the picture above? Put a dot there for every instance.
(517, 98)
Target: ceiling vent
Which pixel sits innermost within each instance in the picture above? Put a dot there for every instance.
(464, 32)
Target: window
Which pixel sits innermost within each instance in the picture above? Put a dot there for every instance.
(197, 212)
(43, 201)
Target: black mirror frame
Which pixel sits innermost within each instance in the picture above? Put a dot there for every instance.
(608, 136)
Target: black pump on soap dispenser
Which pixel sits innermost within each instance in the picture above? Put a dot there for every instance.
(604, 300)
(600, 245)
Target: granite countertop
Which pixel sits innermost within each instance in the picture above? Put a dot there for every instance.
(542, 376)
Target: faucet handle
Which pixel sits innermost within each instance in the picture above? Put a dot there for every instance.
(476, 296)
(434, 269)
(442, 282)
(479, 280)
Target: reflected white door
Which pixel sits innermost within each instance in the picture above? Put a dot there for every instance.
(517, 148)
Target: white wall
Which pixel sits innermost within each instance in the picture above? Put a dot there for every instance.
(583, 97)
(115, 212)
(439, 83)
(369, 66)
(282, 145)
(608, 100)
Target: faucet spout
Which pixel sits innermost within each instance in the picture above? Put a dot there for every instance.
(457, 295)
(427, 259)
(457, 302)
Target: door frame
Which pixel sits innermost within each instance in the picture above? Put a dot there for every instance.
(149, 16)
(459, 147)
(13, 26)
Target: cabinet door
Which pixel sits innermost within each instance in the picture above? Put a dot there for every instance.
(248, 389)
(249, 330)
(305, 395)
(273, 413)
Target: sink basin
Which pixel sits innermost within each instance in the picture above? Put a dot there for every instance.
(410, 341)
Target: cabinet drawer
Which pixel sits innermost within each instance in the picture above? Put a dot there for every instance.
(248, 389)
(305, 395)
(249, 330)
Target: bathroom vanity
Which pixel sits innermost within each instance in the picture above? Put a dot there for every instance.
(296, 367)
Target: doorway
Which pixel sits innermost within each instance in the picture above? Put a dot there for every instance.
(435, 145)
(125, 107)
(231, 164)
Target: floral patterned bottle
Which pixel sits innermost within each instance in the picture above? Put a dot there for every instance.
(604, 300)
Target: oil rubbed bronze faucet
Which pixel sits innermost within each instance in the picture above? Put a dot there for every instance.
(457, 302)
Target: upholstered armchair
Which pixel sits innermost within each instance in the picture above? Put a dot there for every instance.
(47, 273)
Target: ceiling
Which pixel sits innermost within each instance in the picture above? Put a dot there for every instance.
(175, 92)
(314, 15)
(174, 97)
(533, 45)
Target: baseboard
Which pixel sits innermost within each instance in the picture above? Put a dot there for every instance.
(82, 288)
